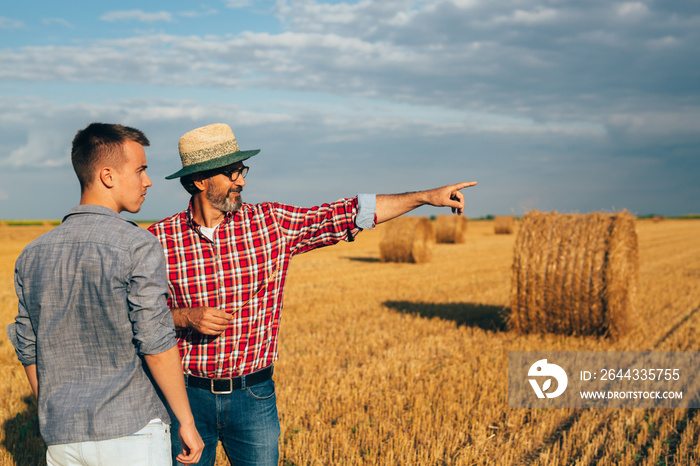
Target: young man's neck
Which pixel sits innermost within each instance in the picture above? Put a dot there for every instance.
(91, 197)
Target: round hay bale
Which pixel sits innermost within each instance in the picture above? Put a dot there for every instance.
(503, 224)
(407, 239)
(450, 228)
(574, 274)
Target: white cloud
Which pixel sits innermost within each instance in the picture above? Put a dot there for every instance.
(466, 3)
(9, 23)
(197, 14)
(402, 18)
(238, 3)
(39, 151)
(659, 124)
(137, 15)
(632, 10)
(597, 38)
(529, 18)
(663, 42)
(357, 19)
(60, 21)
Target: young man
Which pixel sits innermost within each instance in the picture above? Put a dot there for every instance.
(227, 264)
(93, 327)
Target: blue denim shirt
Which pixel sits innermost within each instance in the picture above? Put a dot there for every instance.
(92, 299)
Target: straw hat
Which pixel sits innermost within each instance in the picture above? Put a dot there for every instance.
(208, 148)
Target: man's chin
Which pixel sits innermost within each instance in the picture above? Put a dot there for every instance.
(236, 203)
(232, 206)
(133, 209)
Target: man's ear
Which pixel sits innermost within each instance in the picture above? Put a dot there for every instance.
(199, 183)
(107, 177)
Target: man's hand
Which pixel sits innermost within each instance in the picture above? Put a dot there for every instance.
(449, 196)
(192, 444)
(392, 205)
(206, 320)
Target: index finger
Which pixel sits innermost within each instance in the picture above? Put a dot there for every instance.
(465, 184)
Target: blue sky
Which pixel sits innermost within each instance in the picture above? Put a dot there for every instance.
(549, 105)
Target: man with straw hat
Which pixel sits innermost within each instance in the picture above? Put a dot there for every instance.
(227, 265)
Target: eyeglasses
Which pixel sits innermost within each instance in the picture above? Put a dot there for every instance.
(233, 173)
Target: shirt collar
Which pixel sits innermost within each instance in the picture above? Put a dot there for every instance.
(93, 209)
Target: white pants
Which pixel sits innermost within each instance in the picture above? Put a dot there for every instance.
(148, 447)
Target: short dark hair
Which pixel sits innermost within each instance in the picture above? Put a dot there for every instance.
(101, 143)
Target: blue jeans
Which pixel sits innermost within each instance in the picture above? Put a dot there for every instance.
(149, 446)
(245, 421)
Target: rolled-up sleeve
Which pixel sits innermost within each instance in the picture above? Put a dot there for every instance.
(153, 326)
(366, 211)
(21, 332)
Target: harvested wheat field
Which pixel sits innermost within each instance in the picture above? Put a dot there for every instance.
(399, 363)
(504, 224)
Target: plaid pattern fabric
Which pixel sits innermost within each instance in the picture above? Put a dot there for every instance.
(243, 271)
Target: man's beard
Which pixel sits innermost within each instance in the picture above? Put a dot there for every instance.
(221, 200)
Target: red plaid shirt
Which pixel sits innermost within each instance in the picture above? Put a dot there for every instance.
(243, 271)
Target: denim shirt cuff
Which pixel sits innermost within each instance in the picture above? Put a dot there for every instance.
(366, 209)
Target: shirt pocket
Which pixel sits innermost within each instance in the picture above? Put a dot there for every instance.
(255, 279)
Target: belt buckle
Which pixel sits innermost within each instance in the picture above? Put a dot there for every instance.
(222, 392)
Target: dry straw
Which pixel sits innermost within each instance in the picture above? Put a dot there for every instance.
(407, 239)
(450, 228)
(503, 224)
(574, 274)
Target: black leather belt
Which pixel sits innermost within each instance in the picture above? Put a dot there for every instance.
(226, 386)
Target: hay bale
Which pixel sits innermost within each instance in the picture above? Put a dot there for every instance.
(450, 228)
(407, 239)
(574, 274)
(503, 224)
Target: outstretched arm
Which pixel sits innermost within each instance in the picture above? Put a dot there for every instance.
(392, 205)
